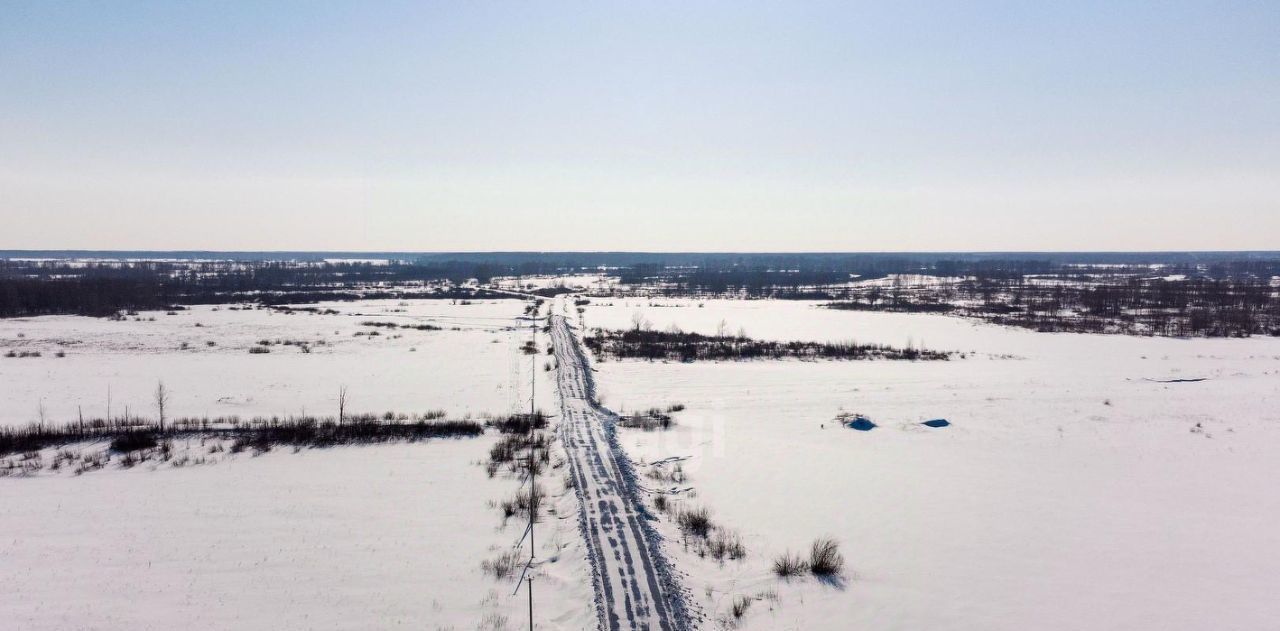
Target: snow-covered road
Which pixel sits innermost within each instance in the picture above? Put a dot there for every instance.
(634, 583)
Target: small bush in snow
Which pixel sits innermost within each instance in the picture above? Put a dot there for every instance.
(503, 565)
(726, 544)
(825, 558)
(789, 564)
(660, 503)
(695, 521)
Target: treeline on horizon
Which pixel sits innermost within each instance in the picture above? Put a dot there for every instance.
(102, 287)
(1235, 306)
(820, 277)
(29, 288)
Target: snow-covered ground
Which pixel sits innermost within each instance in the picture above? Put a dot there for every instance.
(1100, 482)
(1077, 487)
(359, 537)
(477, 368)
(585, 282)
(365, 537)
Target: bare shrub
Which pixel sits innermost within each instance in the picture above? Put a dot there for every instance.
(660, 502)
(789, 564)
(512, 450)
(653, 419)
(520, 423)
(503, 565)
(726, 544)
(695, 521)
(522, 503)
(825, 558)
(661, 474)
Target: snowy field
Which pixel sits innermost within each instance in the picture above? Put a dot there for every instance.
(1077, 487)
(202, 355)
(358, 537)
(337, 539)
(1100, 482)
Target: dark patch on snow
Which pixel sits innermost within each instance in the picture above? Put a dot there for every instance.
(937, 422)
(1193, 380)
(860, 423)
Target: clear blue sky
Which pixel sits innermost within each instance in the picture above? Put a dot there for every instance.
(640, 126)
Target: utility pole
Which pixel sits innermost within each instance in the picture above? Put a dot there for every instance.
(533, 485)
(533, 493)
(533, 476)
(533, 378)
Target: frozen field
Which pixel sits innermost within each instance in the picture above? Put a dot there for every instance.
(357, 537)
(1074, 489)
(1099, 482)
(475, 369)
(350, 538)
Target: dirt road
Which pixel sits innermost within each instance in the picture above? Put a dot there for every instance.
(634, 583)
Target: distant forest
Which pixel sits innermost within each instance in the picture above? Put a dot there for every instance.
(104, 288)
(1175, 294)
(1237, 306)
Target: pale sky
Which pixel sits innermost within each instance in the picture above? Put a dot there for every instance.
(736, 126)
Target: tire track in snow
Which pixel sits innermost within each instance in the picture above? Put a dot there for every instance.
(634, 584)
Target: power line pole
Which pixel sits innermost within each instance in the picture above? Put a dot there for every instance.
(533, 369)
(533, 472)
(533, 484)
(533, 493)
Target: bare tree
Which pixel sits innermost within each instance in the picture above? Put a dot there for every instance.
(342, 403)
(162, 400)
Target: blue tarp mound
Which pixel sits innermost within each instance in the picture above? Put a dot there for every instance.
(860, 423)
